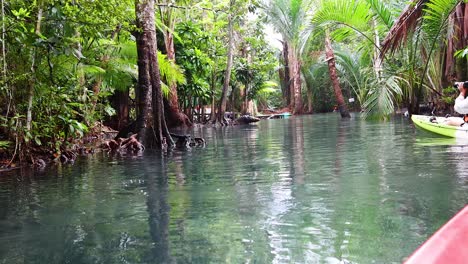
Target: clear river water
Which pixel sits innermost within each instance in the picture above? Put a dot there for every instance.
(311, 189)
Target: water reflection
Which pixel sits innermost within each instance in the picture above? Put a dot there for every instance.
(310, 189)
(158, 208)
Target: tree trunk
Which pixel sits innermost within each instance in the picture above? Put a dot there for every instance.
(174, 117)
(227, 74)
(94, 100)
(213, 100)
(334, 78)
(248, 85)
(120, 101)
(32, 82)
(144, 100)
(461, 40)
(285, 81)
(245, 103)
(309, 101)
(295, 82)
(4, 67)
(152, 127)
(377, 59)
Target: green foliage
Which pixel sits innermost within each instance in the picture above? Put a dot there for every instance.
(436, 14)
(448, 95)
(4, 144)
(194, 56)
(461, 53)
(268, 93)
(170, 71)
(354, 14)
(319, 83)
(291, 18)
(69, 58)
(381, 99)
(383, 12)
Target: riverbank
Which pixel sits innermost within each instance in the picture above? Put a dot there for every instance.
(14, 156)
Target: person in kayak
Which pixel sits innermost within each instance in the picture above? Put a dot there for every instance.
(461, 105)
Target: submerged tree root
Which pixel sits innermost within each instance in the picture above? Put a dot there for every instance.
(186, 141)
(130, 144)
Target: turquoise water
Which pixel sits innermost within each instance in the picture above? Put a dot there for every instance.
(312, 189)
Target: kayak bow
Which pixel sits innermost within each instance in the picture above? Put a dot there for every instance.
(447, 245)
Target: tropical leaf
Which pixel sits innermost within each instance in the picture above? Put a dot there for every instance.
(267, 88)
(380, 102)
(353, 73)
(128, 50)
(382, 12)
(406, 23)
(347, 19)
(461, 53)
(436, 14)
(291, 18)
(92, 70)
(4, 144)
(165, 90)
(350, 13)
(170, 71)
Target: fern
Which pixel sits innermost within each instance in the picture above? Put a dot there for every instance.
(170, 71)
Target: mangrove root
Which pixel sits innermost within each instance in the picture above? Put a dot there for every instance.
(186, 141)
(130, 144)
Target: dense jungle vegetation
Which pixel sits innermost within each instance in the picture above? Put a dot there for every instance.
(69, 67)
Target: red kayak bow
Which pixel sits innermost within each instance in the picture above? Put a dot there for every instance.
(448, 245)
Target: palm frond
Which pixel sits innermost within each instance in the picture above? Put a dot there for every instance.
(380, 102)
(87, 71)
(346, 17)
(405, 23)
(291, 18)
(351, 13)
(382, 12)
(436, 14)
(267, 88)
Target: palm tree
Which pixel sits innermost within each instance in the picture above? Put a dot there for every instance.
(292, 18)
(364, 21)
(437, 27)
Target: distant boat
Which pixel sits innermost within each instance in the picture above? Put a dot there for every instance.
(437, 125)
(448, 245)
